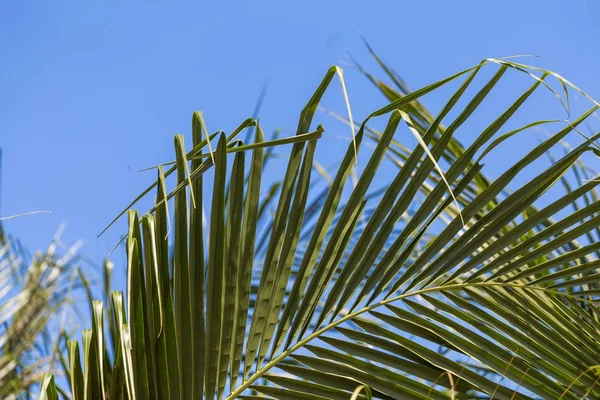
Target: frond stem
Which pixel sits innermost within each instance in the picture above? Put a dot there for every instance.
(458, 286)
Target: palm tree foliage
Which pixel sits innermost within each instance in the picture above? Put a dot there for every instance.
(32, 291)
(440, 284)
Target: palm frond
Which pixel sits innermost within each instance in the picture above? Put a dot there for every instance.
(32, 293)
(440, 284)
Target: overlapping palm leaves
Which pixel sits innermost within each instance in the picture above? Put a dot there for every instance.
(359, 291)
(32, 291)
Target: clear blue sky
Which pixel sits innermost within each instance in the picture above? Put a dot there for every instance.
(89, 89)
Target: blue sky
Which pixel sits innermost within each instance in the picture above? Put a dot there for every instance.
(91, 90)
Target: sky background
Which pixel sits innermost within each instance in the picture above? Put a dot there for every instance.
(90, 91)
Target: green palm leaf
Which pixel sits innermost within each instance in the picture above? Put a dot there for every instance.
(32, 292)
(440, 284)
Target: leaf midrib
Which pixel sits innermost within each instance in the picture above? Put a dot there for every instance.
(258, 374)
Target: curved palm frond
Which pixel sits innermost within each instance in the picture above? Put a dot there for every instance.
(441, 284)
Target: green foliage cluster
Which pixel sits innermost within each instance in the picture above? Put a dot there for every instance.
(352, 291)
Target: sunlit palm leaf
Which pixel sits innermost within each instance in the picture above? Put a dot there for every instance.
(32, 291)
(440, 284)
